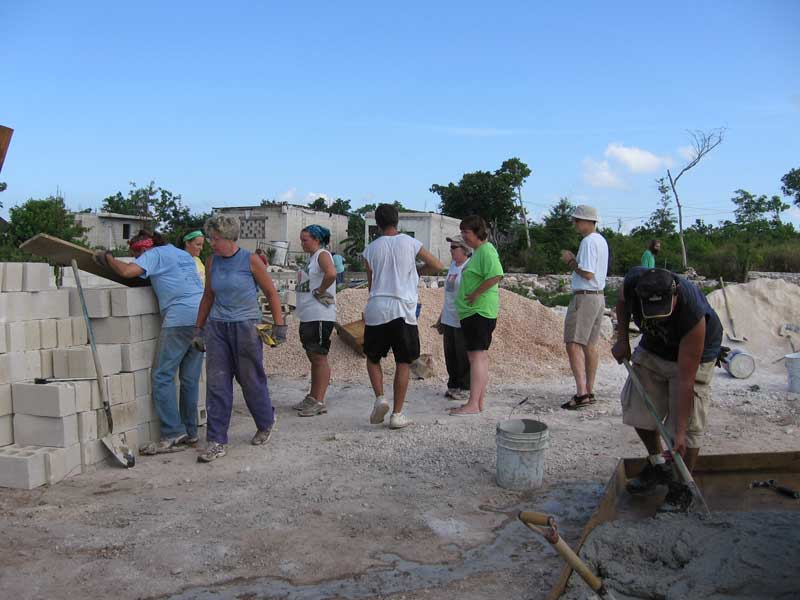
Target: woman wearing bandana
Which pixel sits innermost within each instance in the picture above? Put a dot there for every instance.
(193, 243)
(177, 286)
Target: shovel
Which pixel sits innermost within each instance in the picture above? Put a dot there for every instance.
(677, 459)
(114, 442)
(546, 526)
(734, 337)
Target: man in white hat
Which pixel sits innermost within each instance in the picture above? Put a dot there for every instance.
(585, 312)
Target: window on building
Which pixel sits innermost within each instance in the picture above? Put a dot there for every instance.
(126, 231)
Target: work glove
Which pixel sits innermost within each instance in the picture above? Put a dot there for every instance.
(101, 258)
(439, 327)
(323, 297)
(723, 355)
(199, 340)
(279, 333)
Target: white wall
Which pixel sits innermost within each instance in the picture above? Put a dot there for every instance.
(107, 232)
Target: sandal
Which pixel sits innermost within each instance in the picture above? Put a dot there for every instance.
(578, 402)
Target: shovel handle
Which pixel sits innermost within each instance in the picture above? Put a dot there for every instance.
(530, 517)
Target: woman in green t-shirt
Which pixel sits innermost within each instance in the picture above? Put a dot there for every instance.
(477, 304)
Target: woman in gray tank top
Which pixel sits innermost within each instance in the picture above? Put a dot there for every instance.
(226, 326)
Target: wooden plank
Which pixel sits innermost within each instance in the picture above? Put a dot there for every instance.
(59, 252)
(5, 141)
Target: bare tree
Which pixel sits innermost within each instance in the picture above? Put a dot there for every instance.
(702, 144)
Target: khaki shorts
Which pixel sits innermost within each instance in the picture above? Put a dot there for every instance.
(584, 318)
(659, 379)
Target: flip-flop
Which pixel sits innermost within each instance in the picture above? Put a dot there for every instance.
(578, 402)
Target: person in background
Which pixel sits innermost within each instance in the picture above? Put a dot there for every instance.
(193, 243)
(338, 262)
(585, 311)
(649, 256)
(390, 315)
(449, 325)
(177, 287)
(316, 310)
(262, 256)
(477, 304)
(226, 326)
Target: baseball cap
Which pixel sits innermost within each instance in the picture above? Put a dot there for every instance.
(655, 290)
(459, 241)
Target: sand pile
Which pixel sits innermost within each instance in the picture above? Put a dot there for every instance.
(759, 308)
(675, 557)
(527, 343)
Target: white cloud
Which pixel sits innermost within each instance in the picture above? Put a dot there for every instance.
(311, 196)
(289, 195)
(637, 160)
(686, 152)
(598, 173)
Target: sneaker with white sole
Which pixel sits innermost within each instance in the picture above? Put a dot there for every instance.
(304, 403)
(169, 443)
(318, 408)
(398, 421)
(379, 410)
(212, 453)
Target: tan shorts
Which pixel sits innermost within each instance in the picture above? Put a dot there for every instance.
(584, 318)
(659, 379)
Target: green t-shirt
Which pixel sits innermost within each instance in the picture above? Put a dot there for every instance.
(648, 259)
(483, 265)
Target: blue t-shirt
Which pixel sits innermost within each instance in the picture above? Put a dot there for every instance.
(175, 281)
(338, 263)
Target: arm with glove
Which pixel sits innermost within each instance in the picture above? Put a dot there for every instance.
(264, 281)
(329, 278)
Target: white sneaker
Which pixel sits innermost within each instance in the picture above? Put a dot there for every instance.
(379, 410)
(398, 421)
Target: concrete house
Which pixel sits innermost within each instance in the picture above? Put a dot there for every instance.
(431, 229)
(262, 226)
(110, 230)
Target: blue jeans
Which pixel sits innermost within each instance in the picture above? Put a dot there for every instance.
(175, 355)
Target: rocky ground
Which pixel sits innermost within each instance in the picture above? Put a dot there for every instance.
(335, 508)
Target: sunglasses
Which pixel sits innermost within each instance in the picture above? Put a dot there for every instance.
(454, 247)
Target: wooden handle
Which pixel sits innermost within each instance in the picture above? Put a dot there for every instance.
(534, 518)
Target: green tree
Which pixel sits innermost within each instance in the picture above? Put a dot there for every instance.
(791, 185)
(662, 221)
(519, 172)
(490, 195)
(165, 210)
(49, 215)
(319, 204)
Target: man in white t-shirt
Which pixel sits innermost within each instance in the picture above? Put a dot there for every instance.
(391, 312)
(585, 312)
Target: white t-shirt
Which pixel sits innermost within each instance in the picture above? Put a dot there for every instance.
(449, 315)
(393, 295)
(592, 257)
(308, 280)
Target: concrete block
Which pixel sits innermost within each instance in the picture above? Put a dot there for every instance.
(145, 411)
(138, 356)
(98, 302)
(143, 431)
(12, 277)
(6, 430)
(155, 430)
(50, 304)
(60, 432)
(151, 326)
(44, 400)
(131, 439)
(3, 336)
(22, 467)
(33, 364)
(141, 382)
(6, 405)
(60, 463)
(118, 330)
(16, 337)
(123, 415)
(126, 381)
(83, 395)
(46, 359)
(33, 335)
(127, 302)
(60, 358)
(114, 389)
(81, 362)
(13, 367)
(2, 274)
(15, 306)
(49, 333)
(64, 333)
(202, 415)
(92, 453)
(87, 426)
(80, 335)
(36, 276)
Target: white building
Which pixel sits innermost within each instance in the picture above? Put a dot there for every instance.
(110, 230)
(429, 228)
(262, 226)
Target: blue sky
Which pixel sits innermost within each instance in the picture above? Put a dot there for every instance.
(230, 103)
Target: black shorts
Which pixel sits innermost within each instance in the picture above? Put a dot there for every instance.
(316, 336)
(397, 335)
(477, 332)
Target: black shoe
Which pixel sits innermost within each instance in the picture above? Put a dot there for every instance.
(678, 500)
(649, 477)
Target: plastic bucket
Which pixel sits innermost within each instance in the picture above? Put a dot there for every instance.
(521, 445)
(739, 364)
(793, 369)
(281, 249)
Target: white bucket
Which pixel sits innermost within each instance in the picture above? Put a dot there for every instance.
(793, 370)
(739, 364)
(281, 249)
(521, 445)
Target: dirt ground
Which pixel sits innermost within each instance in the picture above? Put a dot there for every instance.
(333, 507)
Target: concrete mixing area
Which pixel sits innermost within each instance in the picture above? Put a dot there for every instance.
(335, 508)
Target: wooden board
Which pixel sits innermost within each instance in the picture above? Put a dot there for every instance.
(352, 334)
(724, 480)
(59, 252)
(5, 141)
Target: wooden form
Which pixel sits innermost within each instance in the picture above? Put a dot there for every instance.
(5, 141)
(352, 334)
